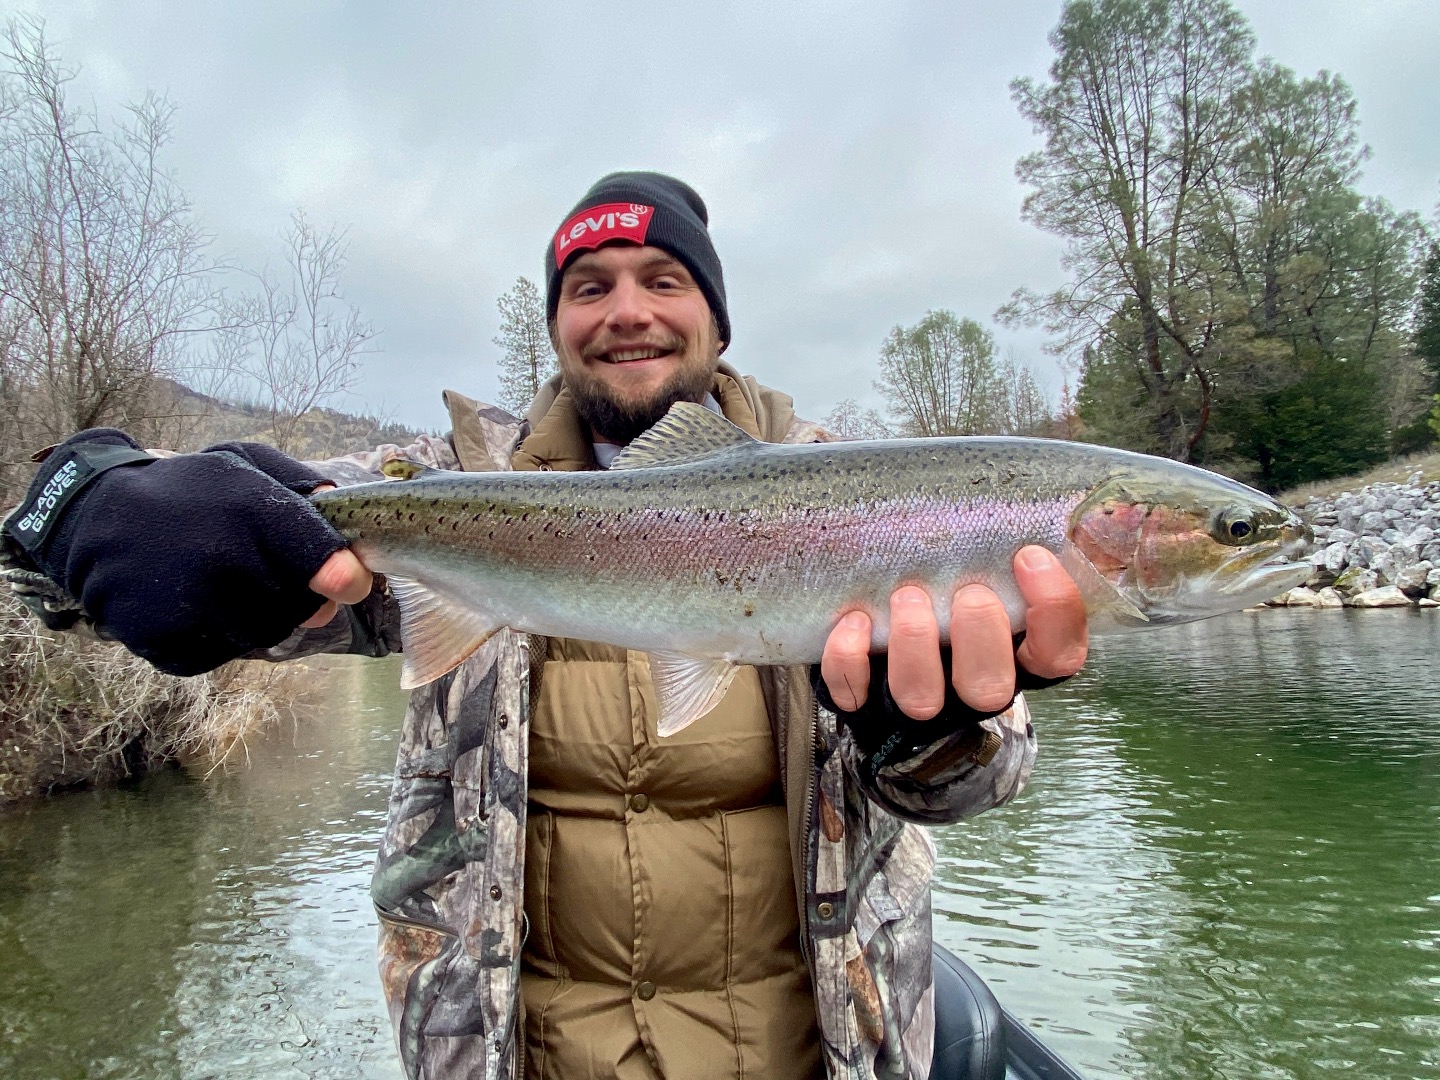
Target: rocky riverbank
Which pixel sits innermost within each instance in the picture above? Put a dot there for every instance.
(1378, 546)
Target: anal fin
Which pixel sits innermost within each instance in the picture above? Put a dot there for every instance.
(687, 688)
(438, 634)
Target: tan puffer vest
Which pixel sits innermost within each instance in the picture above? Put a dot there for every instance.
(663, 934)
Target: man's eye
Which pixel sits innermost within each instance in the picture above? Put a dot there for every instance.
(588, 289)
(665, 283)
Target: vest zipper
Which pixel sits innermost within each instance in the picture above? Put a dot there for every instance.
(807, 808)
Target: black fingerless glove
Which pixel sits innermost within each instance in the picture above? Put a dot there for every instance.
(884, 734)
(188, 561)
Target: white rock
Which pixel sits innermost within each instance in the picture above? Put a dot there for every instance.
(1372, 522)
(1385, 596)
(1427, 602)
(1299, 597)
(1328, 598)
(1334, 557)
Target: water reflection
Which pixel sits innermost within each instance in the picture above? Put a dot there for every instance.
(1227, 863)
(216, 929)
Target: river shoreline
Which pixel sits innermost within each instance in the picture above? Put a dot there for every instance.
(1378, 546)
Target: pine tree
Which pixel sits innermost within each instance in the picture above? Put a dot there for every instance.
(528, 358)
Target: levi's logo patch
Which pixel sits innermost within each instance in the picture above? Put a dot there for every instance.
(593, 227)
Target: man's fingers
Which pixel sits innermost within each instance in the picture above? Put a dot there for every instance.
(343, 579)
(1056, 636)
(916, 675)
(323, 616)
(982, 649)
(845, 663)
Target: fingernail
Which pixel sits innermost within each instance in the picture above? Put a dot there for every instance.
(1036, 558)
(854, 620)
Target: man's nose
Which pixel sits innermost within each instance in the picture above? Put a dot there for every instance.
(629, 305)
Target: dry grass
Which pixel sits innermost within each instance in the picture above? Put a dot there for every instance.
(1394, 471)
(76, 712)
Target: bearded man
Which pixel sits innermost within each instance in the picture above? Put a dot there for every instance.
(561, 892)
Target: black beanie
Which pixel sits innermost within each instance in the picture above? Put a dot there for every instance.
(643, 208)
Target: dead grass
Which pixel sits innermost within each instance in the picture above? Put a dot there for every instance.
(1395, 471)
(76, 712)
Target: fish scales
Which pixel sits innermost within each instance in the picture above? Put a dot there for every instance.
(805, 530)
(749, 553)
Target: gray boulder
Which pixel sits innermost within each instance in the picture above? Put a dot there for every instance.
(1385, 596)
(1413, 579)
(1333, 557)
(1356, 580)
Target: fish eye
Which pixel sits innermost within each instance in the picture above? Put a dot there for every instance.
(1236, 526)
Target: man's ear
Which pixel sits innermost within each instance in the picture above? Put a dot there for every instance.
(554, 336)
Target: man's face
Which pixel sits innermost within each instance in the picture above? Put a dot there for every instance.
(634, 335)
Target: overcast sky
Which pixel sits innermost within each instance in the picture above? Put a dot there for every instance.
(857, 158)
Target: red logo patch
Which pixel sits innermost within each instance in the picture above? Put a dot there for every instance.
(593, 227)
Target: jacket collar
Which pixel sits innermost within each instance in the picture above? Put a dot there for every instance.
(560, 440)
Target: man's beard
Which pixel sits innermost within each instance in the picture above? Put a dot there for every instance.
(621, 422)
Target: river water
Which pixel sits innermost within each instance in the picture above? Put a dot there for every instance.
(1227, 864)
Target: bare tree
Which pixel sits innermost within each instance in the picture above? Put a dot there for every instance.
(939, 378)
(850, 420)
(103, 271)
(1022, 406)
(529, 358)
(296, 338)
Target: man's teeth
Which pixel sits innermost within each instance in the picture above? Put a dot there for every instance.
(621, 356)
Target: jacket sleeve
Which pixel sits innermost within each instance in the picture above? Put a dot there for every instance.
(934, 772)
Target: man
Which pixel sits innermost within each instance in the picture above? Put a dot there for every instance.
(561, 892)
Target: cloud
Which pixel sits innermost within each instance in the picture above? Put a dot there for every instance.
(857, 158)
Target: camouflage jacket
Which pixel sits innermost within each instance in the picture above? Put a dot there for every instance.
(450, 872)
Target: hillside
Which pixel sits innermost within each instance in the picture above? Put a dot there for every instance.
(319, 433)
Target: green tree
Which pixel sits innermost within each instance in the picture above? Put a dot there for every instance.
(527, 357)
(1427, 316)
(1134, 116)
(1329, 421)
(1219, 250)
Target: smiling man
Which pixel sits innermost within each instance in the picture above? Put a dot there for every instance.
(561, 892)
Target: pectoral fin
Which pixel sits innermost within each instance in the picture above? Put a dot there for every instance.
(439, 635)
(686, 688)
(1102, 599)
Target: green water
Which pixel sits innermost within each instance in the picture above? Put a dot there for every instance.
(1227, 864)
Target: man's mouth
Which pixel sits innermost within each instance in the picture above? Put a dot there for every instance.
(635, 354)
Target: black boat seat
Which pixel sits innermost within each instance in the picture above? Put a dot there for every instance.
(969, 1030)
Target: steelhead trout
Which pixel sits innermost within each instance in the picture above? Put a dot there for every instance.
(706, 549)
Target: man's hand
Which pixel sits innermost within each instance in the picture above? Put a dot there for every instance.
(190, 560)
(982, 648)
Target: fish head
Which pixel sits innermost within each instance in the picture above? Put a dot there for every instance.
(1176, 543)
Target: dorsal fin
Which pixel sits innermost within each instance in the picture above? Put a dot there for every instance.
(688, 432)
(403, 469)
